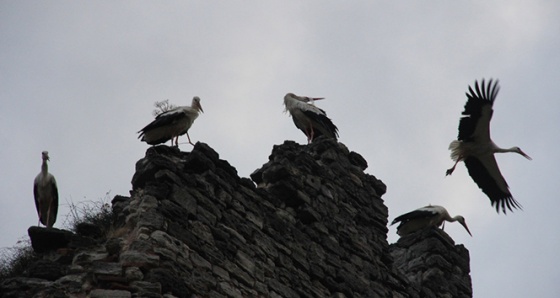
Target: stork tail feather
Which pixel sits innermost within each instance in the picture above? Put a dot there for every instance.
(454, 146)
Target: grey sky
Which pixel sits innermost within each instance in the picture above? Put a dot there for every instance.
(79, 79)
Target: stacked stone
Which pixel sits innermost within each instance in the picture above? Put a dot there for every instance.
(433, 264)
(68, 265)
(313, 226)
(330, 215)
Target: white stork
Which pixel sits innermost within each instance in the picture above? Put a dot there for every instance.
(46, 194)
(310, 119)
(476, 149)
(429, 216)
(171, 124)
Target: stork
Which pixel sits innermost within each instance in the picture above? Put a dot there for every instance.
(312, 120)
(45, 192)
(171, 124)
(476, 149)
(425, 217)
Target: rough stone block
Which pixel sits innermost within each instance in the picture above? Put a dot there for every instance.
(100, 293)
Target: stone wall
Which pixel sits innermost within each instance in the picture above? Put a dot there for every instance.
(313, 226)
(433, 264)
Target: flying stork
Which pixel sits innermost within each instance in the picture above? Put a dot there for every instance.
(46, 194)
(476, 149)
(312, 120)
(171, 124)
(429, 216)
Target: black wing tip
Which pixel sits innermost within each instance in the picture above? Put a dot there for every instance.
(506, 203)
(500, 199)
(401, 218)
(418, 213)
(485, 92)
(330, 129)
(335, 131)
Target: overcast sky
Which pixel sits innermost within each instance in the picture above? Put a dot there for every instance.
(79, 79)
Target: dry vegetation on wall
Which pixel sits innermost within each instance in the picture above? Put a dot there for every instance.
(309, 223)
(97, 213)
(14, 260)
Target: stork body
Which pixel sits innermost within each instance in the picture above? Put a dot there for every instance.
(312, 120)
(45, 192)
(476, 149)
(425, 217)
(171, 124)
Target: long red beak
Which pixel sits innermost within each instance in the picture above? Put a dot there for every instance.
(525, 155)
(466, 228)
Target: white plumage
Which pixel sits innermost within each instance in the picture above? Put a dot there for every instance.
(312, 120)
(171, 124)
(45, 192)
(425, 217)
(476, 149)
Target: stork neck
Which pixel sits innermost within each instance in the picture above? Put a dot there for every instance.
(288, 100)
(288, 103)
(44, 167)
(504, 150)
(456, 218)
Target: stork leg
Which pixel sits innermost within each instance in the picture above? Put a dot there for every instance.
(306, 132)
(49, 217)
(450, 171)
(39, 212)
(189, 138)
(309, 133)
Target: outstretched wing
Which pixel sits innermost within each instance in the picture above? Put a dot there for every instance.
(475, 122)
(486, 174)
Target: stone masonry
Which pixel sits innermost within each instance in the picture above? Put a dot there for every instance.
(310, 223)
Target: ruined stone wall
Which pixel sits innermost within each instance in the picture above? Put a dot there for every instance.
(313, 226)
(433, 264)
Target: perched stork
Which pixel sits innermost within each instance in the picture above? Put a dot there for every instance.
(46, 194)
(429, 216)
(171, 124)
(309, 118)
(476, 149)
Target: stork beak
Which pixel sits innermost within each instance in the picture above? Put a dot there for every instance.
(466, 228)
(200, 107)
(313, 99)
(525, 155)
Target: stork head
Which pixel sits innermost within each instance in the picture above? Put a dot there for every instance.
(45, 155)
(301, 98)
(518, 150)
(461, 220)
(291, 96)
(196, 103)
